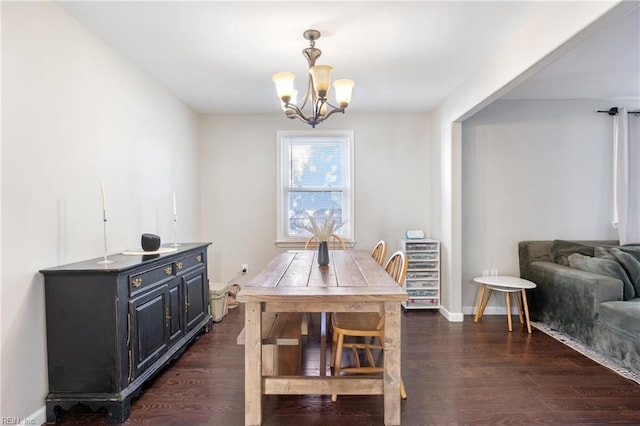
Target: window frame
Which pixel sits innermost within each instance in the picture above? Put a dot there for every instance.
(284, 139)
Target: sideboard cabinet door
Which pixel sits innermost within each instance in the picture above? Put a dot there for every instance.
(197, 306)
(176, 317)
(149, 328)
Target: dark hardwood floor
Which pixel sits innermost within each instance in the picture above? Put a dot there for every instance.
(455, 373)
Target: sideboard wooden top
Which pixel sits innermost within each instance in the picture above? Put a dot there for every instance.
(121, 262)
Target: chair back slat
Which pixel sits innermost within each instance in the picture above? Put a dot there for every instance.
(379, 252)
(397, 266)
(335, 243)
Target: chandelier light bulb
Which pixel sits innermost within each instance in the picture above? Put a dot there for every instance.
(343, 88)
(321, 75)
(284, 85)
(292, 101)
(323, 109)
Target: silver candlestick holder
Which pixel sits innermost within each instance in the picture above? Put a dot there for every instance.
(175, 230)
(104, 260)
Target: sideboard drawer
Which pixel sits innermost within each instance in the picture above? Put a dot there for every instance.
(149, 278)
(186, 263)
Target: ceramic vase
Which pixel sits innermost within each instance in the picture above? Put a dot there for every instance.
(323, 254)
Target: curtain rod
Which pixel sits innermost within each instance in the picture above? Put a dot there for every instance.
(614, 111)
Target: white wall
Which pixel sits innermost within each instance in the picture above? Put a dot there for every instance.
(238, 180)
(532, 170)
(553, 31)
(74, 111)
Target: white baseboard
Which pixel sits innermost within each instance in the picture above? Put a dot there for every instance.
(451, 316)
(471, 310)
(490, 310)
(40, 416)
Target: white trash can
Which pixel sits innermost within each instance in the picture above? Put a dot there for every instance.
(218, 294)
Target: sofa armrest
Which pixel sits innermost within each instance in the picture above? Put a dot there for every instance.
(531, 251)
(568, 299)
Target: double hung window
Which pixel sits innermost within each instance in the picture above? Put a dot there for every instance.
(315, 178)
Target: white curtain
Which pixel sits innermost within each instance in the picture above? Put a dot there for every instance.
(626, 169)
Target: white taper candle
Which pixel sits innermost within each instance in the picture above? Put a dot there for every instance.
(175, 211)
(104, 197)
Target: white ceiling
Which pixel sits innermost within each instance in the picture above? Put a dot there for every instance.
(606, 66)
(404, 56)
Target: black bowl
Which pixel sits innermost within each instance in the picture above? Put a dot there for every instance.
(150, 242)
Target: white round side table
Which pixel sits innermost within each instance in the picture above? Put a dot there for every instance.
(507, 285)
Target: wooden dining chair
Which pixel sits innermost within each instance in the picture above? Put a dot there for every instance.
(335, 243)
(366, 328)
(397, 266)
(379, 251)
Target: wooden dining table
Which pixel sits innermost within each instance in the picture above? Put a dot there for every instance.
(293, 282)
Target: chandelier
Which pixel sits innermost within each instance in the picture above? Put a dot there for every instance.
(317, 93)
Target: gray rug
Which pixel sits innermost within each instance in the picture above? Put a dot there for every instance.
(611, 363)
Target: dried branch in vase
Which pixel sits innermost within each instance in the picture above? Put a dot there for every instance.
(322, 224)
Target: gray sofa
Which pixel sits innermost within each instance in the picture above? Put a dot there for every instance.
(589, 290)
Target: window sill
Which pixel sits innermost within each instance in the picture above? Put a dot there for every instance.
(299, 245)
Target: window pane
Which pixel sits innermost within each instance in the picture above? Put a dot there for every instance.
(315, 176)
(316, 164)
(315, 203)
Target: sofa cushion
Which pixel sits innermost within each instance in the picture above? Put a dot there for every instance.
(562, 249)
(609, 268)
(622, 316)
(603, 253)
(631, 266)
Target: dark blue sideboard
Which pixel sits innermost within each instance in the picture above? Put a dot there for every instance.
(111, 327)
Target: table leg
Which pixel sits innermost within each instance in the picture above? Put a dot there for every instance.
(525, 305)
(508, 299)
(323, 344)
(253, 364)
(392, 367)
(485, 302)
(516, 296)
(479, 305)
(304, 329)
